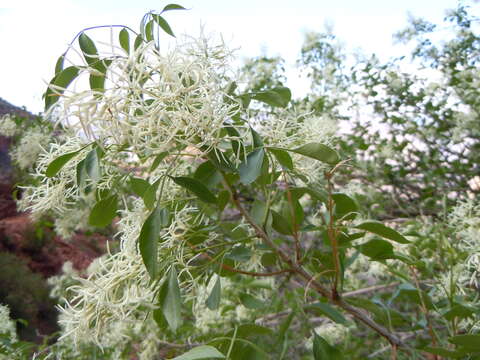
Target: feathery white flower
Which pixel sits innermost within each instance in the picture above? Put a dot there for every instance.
(32, 142)
(7, 126)
(7, 325)
(289, 130)
(158, 101)
(465, 219)
(57, 193)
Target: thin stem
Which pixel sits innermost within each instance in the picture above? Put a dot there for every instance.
(234, 337)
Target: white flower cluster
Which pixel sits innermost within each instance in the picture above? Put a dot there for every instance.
(75, 219)
(112, 294)
(60, 283)
(56, 193)
(287, 129)
(7, 126)
(118, 295)
(32, 142)
(465, 219)
(331, 332)
(364, 272)
(7, 325)
(158, 101)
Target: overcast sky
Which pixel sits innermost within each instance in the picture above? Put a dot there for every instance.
(33, 33)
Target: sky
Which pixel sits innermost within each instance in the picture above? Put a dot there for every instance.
(33, 33)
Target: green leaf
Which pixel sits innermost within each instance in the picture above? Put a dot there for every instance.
(257, 139)
(269, 259)
(196, 187)
(251, 302)
(266, 177)
(163, 24)
(150, 195)
(148, 239)
(92, 164)
(282, 157)
(280, 224)
(171, 301)
(208, 174)
(259, 212)
(383, 231)
(319, 152)
(56, 165)
(81, 174)
(90, 53)
(124, 39)
(344, 205)
(170, 7)
(322, 350)
(97, 82)
(237, 145)
(239, 253)
(103, 212)
(213, 300)
(277, 97)
(245, 100)
(59, 64)
(329, 311)
(158, 159)
(201, 352)
(139, 186)
(469, 341)
(251, 168)
(459, 311)
(223, 199)
(294, 219)
(408, 291)
(87, 46)
(377, 249)
(313, 193)
(138, 41)
(149, 31)
(58, 85)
